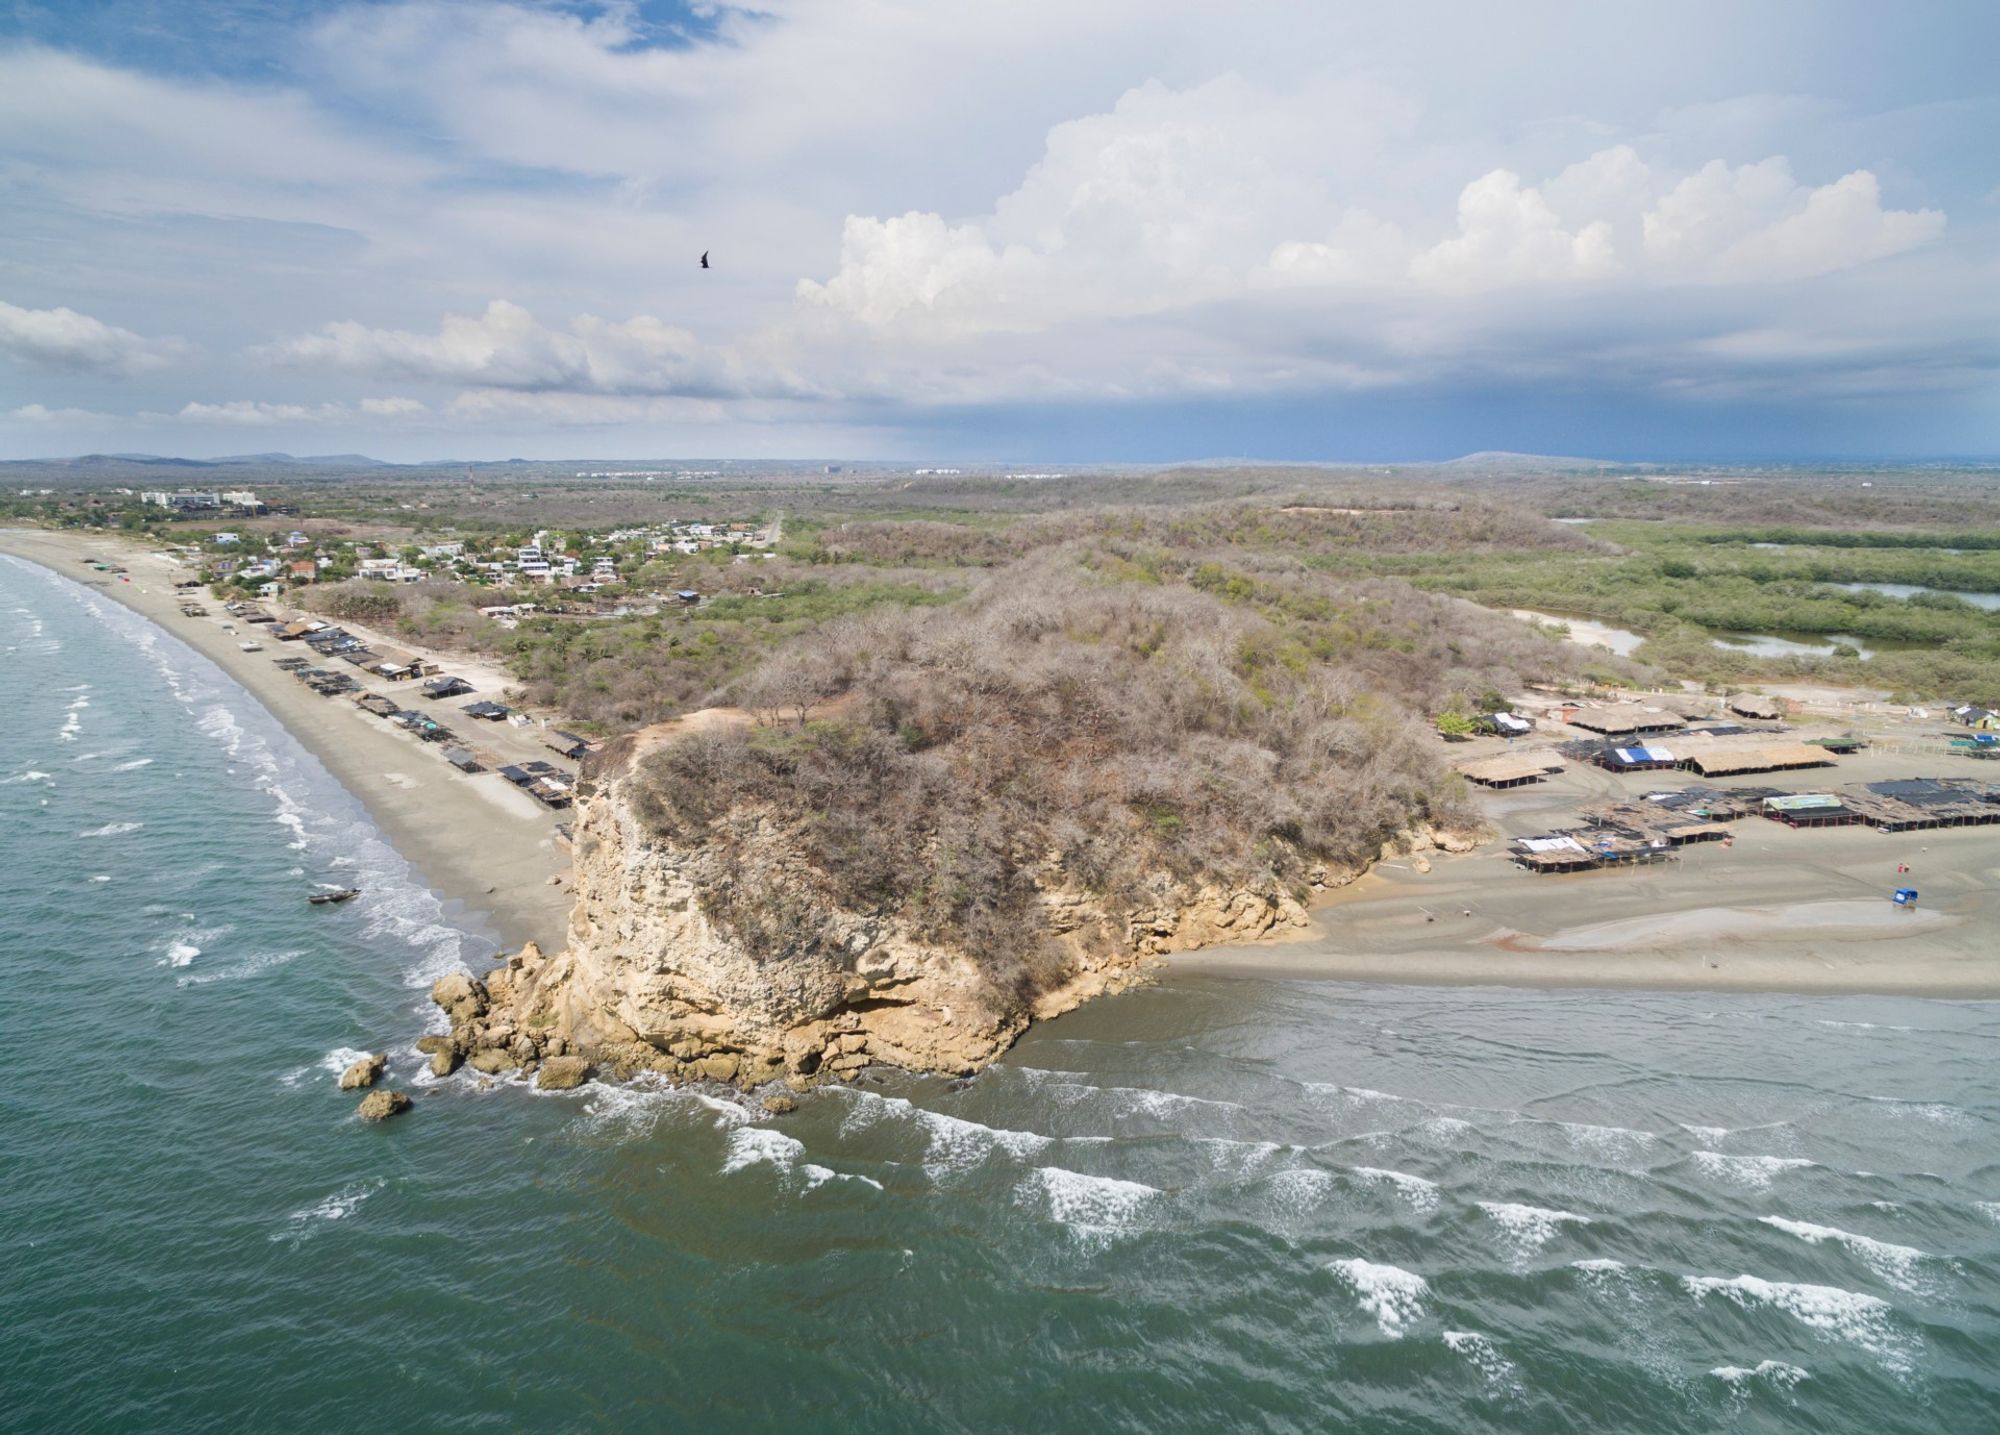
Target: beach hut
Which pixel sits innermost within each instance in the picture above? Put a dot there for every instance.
(1623, 720)
(448, 687)
(1509, 770)
(1724, 758)
(1756, 705)
(461, 759)
(1811, 809)
(1636, 759)
(482, 709)
(566, 743)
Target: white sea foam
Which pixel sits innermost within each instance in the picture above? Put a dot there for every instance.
(1989, 1209)
(179, 954)
(953, 1145)
(112, 829)
(1753, 1171)
(1606, 1140)
(136, 762)
(240, 970)
(1529, 1227)
(1093, 1206)
(1441, 1128)
(1895, 1264)
(337, 1207)
(1299, 1190)
(760, 1146)
(1860, 1320)
(1485, 1357)
(29, 776)
(1422, 1194)
(1777, 1372)
(817, 1176)
(1394, 1296)
(100, 876)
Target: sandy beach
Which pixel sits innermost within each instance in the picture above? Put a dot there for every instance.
(1780, 910)
(476, 839)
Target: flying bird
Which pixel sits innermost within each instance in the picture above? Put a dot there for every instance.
(704, 259)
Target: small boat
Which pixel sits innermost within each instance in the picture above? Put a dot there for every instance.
(321, 899)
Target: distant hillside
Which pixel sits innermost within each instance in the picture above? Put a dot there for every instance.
(1501, 461)
(113, 462)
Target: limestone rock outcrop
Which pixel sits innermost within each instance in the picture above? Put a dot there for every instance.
(652, 979)
(364, 1072)
(381, 1105)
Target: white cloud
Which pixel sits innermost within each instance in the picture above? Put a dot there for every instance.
(61, 338)
(1508, 234)
(506, 347)
(259, 413)
(1756, 222)
(915, 205)
(43, 414)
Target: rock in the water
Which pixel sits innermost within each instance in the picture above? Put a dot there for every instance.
(491, 1060)
(718, 1068)
(433, 1044)
(444, 1061)
(364, 1071)
(780, 1105)
(560, 1073)
(381, 1105)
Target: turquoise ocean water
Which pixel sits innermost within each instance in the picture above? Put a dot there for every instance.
(1210, 1205)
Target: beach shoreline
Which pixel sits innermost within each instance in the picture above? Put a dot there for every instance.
(480, 844)
(1779, 910)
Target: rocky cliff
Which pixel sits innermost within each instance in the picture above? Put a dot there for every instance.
(661, 973)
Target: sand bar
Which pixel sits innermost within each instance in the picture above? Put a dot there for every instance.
(476, 839)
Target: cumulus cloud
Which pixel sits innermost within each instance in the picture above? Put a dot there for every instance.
(63, 339)
(1509, 234)
(506, 347)
(1177, 199)
(916, 206)
(1755, 221)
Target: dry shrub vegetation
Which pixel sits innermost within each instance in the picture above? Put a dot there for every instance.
(1100, 715)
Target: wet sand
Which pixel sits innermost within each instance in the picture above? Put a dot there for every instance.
(476, 839)
(1780, 910)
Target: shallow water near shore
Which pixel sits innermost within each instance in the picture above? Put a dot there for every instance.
(1213, 1204)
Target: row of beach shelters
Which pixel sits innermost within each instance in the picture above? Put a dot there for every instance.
(1714, 756)
(1511, 769)
(1983, 719)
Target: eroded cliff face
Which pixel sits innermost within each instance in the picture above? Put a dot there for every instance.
(652, 979)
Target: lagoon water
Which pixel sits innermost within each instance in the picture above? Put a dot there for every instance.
(1208, 1205)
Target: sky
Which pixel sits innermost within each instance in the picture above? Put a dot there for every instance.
(1049, 230)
